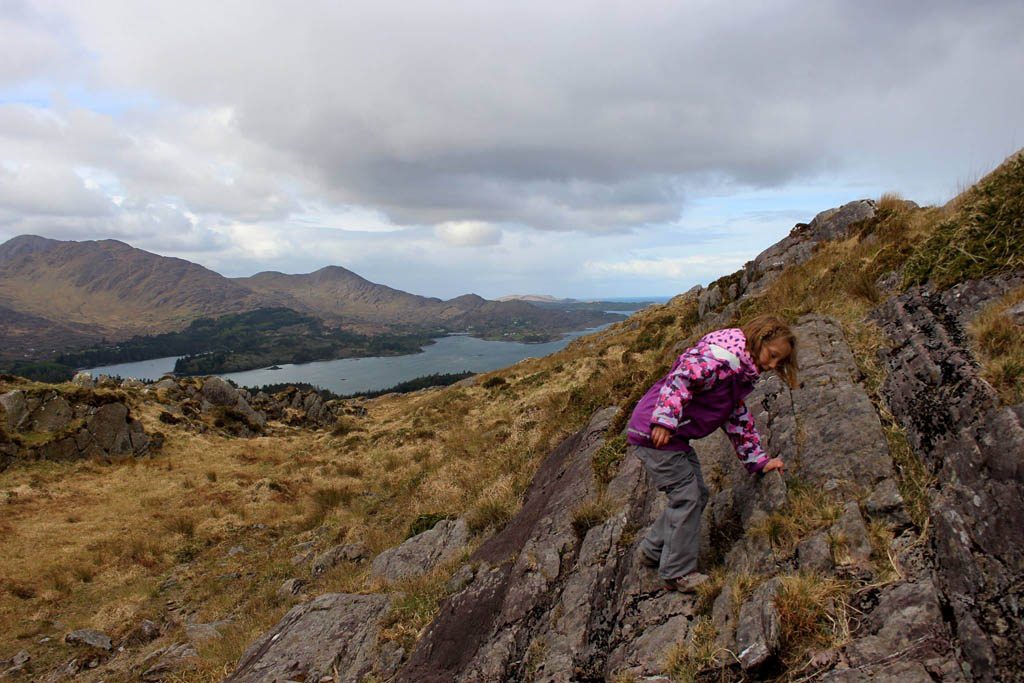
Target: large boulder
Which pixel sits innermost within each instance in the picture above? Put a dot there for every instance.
(422, 552)
(333, 634)
(219, 393)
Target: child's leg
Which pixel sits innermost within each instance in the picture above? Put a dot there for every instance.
(675, 535)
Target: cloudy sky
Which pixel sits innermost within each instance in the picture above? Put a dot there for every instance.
(569, 148)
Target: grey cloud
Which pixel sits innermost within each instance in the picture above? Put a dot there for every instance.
(559, 117)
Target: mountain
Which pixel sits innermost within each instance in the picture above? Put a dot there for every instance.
(107, 288)
(62, 295)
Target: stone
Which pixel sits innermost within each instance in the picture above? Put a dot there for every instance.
(15, 665)
(237, 550)
(167, 383)
(200, 633)
(886, 502)
(290, 588)
(168, 661)
(850, 540)
(54, 415)
(219, 393)
(108, 427)
(1016, 313)
(15, 410)
(145, 632)
(422, 552)
(335, 632)
(348, 552)
(83, 379)
(462, 577)
(814, 553)
(90, 638)
(758, 627)
(908, 618)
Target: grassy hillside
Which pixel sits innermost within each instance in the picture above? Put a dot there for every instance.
(103, 546)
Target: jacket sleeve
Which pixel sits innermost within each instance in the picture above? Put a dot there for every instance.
(745, 439)
(694, 371)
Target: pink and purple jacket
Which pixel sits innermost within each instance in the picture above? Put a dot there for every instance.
(703, 391)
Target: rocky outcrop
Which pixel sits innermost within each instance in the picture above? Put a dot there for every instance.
(49, 425)
(972, 445)
(201, 403)
(537, 602)
(332, 635)
(422, 552)
(796, 248)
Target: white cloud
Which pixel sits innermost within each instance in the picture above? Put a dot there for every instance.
(468, 233)
(690, 268)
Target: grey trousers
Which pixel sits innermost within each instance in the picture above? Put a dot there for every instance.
(674, 538)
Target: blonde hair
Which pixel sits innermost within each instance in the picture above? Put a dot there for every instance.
(768, 328)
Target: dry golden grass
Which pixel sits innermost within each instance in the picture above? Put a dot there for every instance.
(807, 509)
(999, 343)
(698, 654)
(813, 615)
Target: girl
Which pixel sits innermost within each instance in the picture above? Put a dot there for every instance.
(703, 391)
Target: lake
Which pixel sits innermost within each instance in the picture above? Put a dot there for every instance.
(453, 353)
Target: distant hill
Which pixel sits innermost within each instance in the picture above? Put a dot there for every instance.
(108, 288)
(57, 296)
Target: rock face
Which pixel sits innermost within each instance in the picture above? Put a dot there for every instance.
(333, 633)
(796, 248)
(972, 445)
(422, 552)
(536, 602)
(46, 425)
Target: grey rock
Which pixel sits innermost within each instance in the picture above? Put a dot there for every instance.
(108, 427)
(462, 577)
(422, 552)
(145, 632)
(290, 588)
(907, 623)
(814, 553)
(803, 238)
(348, 552)
(219, 393)
(53, 415)
(758, 627)
(89, 637)
(886, 502)
(167, 383)
(333, 632)
(955, 424)
(851, 543)
(165, 662)
(83, 379)
(200, 633)
(15, 665)
(723, 616)
(1016, 313)
(237, 550)
(15, 409)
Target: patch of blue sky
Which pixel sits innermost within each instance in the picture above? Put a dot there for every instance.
(48, 95)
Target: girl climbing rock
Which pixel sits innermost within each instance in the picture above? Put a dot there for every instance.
(703, 391)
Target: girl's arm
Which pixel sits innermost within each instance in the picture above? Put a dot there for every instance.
(695, 370)
(745, 439)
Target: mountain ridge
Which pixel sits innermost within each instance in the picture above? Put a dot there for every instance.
(100, 291)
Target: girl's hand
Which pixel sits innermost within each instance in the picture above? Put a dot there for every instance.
(660, 436)
(773, 464)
